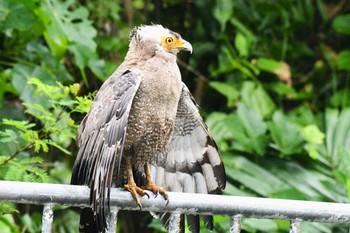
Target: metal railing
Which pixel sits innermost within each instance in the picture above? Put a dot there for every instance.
(233, 206)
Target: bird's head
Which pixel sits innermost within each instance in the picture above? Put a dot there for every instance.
(152, 38)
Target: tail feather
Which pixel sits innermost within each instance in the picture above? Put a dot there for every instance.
(87, 221)
(193, 223)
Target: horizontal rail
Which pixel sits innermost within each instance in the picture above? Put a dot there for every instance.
(41, 194)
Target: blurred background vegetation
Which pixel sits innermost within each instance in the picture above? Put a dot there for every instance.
(272, 78)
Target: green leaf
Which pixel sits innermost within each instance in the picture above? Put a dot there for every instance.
(66, 27)
(8, 224)
(54, 144)
(15, 15)
(227, 90)
(242, 28)
(344, 60)
(83, 103)
(268, 64)
(285, 134)
(82, 55)
(250, 175)
(252, 121)
(255, 97)
(312, 151)
(312, 134)
(25, 170)
(341, 24)
(228, 62)
(248, 130)
(21, 75)
(31, 160)
(57, 41)
(7, 208)
(21, 125)
(348, 187)
(337, 130)
(32, 222)
(218, 126)
(98, 67)
(263, 225)
(40, 145)
(222, 12)
(242, 45)
(341, 98)
(8, 136)
(315, 185)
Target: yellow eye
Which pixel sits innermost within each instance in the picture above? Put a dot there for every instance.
(169, 40)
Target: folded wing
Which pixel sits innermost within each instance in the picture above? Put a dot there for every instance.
(101, 138)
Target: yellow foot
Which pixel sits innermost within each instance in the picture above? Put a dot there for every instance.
(155, 189)
(134, 190)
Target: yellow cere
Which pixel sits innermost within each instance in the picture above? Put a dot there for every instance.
(171, 42)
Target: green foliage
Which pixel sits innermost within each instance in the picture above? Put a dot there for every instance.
(274, 87)
(341, 24)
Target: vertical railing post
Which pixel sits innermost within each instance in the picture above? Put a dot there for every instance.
(112, 220)
(47, 221)
(295, 226)
(235, 223)
(174, 222)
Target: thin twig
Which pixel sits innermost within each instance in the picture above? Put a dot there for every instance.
(192, 70)
(200, 81)
(17, 152)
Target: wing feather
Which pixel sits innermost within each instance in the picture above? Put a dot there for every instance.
(193, 162)
(101, 137)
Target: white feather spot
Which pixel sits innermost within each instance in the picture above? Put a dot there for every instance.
(208, 173)
(213, 156)
(200, 183)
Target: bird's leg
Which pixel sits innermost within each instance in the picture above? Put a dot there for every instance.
(131, 185)
(150, 185)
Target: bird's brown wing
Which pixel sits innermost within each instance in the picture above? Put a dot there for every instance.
(101, 138)
(193, 163)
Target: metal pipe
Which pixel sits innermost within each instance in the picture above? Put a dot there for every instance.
(235, 223)
(112, 220)
(174, 222)
(39, 193)
(47, 221)
(295, 226)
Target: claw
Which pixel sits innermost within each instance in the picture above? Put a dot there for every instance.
(135, 191)
(151, 186)
(155, 189)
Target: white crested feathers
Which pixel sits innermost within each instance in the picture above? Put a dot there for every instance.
(155, 31)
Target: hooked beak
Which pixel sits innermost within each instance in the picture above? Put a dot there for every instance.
(185, 45)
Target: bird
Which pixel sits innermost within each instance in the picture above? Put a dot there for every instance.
(144, 132)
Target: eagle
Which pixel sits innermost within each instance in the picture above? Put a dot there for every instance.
(144, 132)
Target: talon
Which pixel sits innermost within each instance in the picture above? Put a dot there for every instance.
(151, 186)
(131, 185)
(155, 189)
(135, 191)
(163, 193)
(147, 195)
